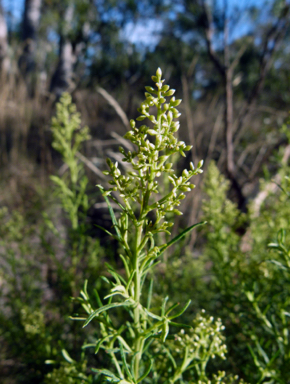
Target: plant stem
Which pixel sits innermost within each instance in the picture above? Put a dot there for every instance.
(138, 341)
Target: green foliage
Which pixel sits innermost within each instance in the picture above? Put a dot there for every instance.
(67, 139)
(247, 271)
(131, 344)
(144, 335)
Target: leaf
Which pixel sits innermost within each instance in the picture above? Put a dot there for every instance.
(180, 236)
(130, 280)
(112, 214)
(125, 264)
(146, 373)
(165, 331)
(123, 357)
(171, 308)
(67, 356)
(120, 338)
(100, 342)
(163, 306)
(105, 308)
(181, 312)
(105, 230)
(107, 373)
(100, 304)
(180, 325)
(170, 357)
(280, 265)
(262, 352)
(156, 317)
(150, 294)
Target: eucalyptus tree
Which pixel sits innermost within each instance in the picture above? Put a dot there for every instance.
(211, 27)
(30, 26)
(3, 42)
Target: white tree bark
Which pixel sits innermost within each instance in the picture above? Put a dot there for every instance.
(4, 61)
(62, 79)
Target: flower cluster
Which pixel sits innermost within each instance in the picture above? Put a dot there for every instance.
(155, 144)
(204, 339)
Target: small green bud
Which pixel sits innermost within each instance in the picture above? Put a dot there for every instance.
(159, 73)
(200, 164)
(140, 118)
(177, 212)
(174, 102)
(175, 126)
(165, 88)
(185, 173)
(170, 92)
(183, 188)
(150, 89)
(129, 135)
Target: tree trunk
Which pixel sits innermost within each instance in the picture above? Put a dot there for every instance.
(62, 79)
(31, 18)
(4, 61)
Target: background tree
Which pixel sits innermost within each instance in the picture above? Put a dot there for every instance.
(30, 25)
(3, 42)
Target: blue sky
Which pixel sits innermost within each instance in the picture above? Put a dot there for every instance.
(147, 31)
(14, 6)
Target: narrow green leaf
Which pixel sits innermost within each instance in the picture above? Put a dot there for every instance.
(123, 357)
(106, 280)
(156, 317)
(105, 230)
(91, 345)
(180, 312)
(146, 373)
(121, 340)
(170, 357)
(163, 306)
(180, 236)
(112, 214)
(105, 308)
(125, 264)
(171, 308)
(130, 280)
(107, 373)
(274, 357)
(117, 276)
(100, 342)
(86, 288)
(100, 304)
(165, 331)
(280, 265)
(180, 325)
(67, 356)
(150, 294)
(77, 318)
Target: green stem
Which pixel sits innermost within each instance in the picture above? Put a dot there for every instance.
(137, 291)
